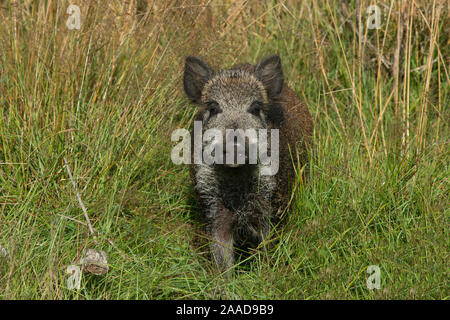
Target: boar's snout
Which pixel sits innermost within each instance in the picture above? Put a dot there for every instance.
(240, 149)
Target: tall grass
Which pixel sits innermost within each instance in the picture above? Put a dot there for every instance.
(108, 96)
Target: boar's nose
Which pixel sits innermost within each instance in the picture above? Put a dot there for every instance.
(236, 148)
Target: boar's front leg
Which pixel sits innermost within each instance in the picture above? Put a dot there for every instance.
(221, 231)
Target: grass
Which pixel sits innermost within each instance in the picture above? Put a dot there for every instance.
(106, 97)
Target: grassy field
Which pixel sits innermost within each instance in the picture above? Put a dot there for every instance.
(107, 96)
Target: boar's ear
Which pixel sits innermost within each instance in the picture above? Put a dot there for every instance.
(271, 75)
(196, 74)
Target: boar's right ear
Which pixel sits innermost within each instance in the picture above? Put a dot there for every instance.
(196, 74)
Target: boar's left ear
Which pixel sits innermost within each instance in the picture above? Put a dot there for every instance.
(271, 75)
(196, 74)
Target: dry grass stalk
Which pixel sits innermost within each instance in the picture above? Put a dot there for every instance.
(88, 221)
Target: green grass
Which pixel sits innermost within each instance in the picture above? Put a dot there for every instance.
(108, 96)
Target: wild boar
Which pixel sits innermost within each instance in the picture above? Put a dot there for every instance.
(240, 202)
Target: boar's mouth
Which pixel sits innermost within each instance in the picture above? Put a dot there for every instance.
(238, 156)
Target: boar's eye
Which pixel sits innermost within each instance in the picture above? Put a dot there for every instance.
(213, 108)
(255, 108)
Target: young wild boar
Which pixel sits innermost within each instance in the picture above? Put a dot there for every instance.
(239, 202)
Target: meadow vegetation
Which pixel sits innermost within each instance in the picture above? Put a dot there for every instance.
(107, 97)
